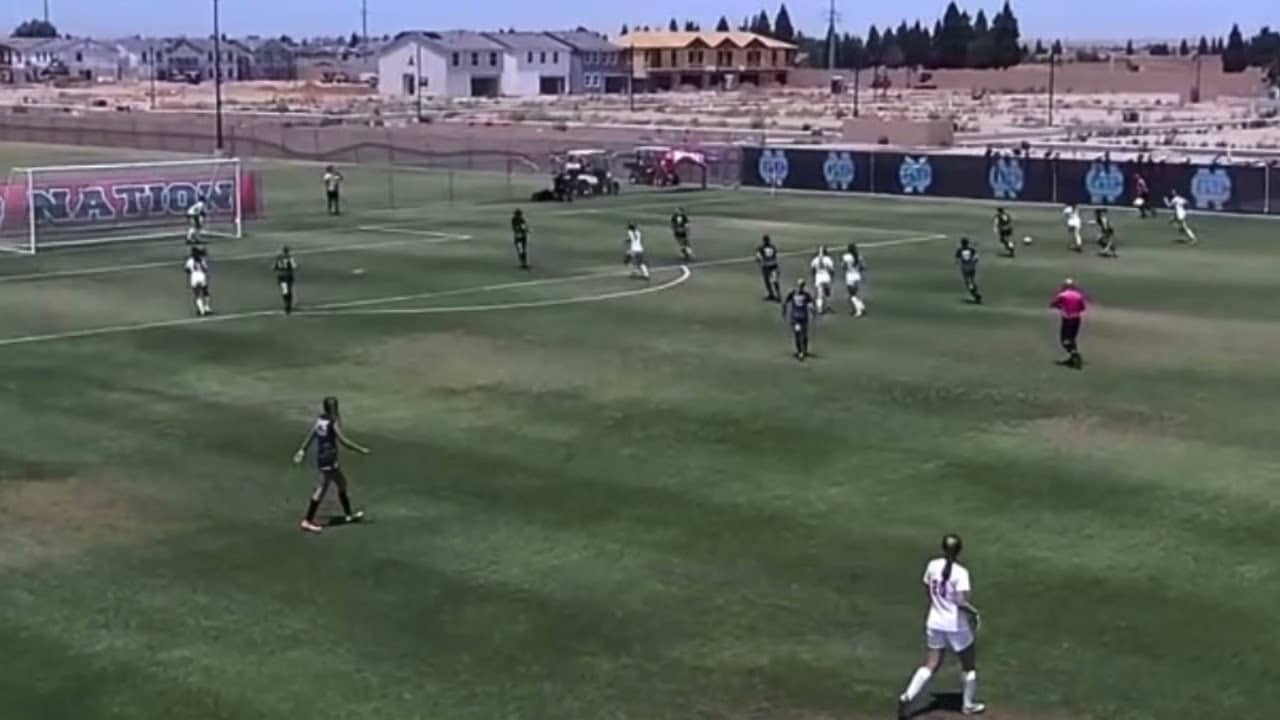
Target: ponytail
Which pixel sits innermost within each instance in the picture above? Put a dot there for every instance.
(951, 547)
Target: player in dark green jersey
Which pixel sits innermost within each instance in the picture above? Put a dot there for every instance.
(967, 259)
(680, 229)
(1106, 233)
(520, 236)
(798, 310)
(285, 268)
(1004, 231)
(326, 433)
(767, 259)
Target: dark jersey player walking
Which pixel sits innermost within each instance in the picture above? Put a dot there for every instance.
(326, 433)
(1071, 305)
(1106, 233)
(767, 259)
(520, 237)
(798, 309)
(1004, 231)
(967, 259)
(285, 268)
(680, 230)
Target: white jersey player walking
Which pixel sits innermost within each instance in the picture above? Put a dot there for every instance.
(197, 268)
(1074, 225)
(196, 214)
(823, 267)
(1179, 205)
(853, 266)
(635, 252)
(951, 624)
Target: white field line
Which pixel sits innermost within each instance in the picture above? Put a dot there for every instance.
(684, 275)
(624, 208)
(435, 238)
(586, 275)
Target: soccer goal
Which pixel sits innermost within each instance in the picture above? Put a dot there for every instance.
(43, 208)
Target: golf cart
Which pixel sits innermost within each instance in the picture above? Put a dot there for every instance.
(584, 173)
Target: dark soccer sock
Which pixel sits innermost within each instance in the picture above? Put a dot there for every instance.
(288, 302)
(312, 507)
(799, 338)
(346, 503)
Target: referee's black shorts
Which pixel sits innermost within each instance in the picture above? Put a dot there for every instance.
(1070, 329)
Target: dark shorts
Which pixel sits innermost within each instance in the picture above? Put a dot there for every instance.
(682, 237)
(332, 194)
(1070, 329)
(969, 274)
(521, 240)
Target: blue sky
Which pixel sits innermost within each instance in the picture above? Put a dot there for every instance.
(1081, 19)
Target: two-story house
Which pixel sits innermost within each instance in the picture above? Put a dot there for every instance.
(454, 63)
(533, 63)
(706, 60)
(596, 66)
(273, 58)
(193, 58)
(80, 58)
(9, 66)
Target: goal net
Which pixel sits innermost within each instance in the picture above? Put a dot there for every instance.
(49, 207)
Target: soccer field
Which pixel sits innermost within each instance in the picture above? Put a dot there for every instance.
(591, 497)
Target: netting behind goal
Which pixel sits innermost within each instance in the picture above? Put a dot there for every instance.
(50, 207)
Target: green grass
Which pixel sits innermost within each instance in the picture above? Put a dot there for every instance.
(639, 507)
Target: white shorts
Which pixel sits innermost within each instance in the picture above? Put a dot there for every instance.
(852, 281)
(1181, 217)
(822, 281)
(199, 280)
(957, 641)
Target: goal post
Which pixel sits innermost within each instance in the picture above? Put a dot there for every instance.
(44, 208)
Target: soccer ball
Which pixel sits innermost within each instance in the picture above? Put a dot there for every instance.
(1026, 240)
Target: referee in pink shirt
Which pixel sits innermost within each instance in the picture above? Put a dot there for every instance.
(1071, 304)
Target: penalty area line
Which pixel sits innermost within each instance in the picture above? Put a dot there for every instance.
(684, 275)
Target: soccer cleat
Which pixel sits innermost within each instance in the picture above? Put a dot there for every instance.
(355, 517)
(974, 709)
(308, 526)
(903, 708)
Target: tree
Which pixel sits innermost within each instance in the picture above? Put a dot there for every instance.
(916, 46)
(1184, 49)
(1006, 38)
(1128, 48)
(1235, 57)
(624, 30)
(1159, 50)
(673, 26)
(872, 52)
(691, 26)
(1040, 48)
(354, 40)
(981, 50)
(1203, 48)
(36, 29)
(723, 25)
(952, 43)
(1264, 48)
(762, 25)
(782, 27)
(1057, 48)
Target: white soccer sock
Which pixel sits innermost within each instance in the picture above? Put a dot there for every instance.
(644, 271)
(858, 306)
(918, 681)
(970, 688)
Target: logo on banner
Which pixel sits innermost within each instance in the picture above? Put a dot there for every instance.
(915, 174)
(774, 167)
(838, 170)
(1104, 182)
(1006, 178)
(1211, 188)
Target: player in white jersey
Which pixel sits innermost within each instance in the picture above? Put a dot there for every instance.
(951, 625)
(1074, 227)
(635, 252)
(197, 268)
(853, 269)
(1179, 205)
(823, 267)
(196, 214)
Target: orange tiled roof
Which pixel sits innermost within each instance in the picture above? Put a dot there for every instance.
(665, 39)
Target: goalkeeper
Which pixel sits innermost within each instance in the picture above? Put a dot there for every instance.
(196, 215)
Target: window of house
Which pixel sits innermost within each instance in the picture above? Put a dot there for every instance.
(79, 57)
(555, 57)
(144, 56)
(210, 56)
(475, 59)
(410, 64)
(542, 58)
(457, 60)
(775, 57)
(493, 59)
(529, 59)
(159, 56)
(675, 58)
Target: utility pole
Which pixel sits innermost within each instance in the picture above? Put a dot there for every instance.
(417, 80)
(1053, 64)
(153, 73)
(831, 36)
(217, 81)
(364, 22)
(46, 12)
